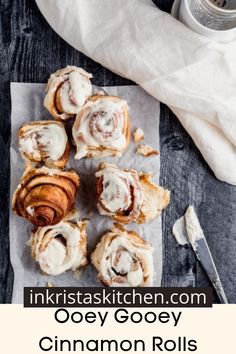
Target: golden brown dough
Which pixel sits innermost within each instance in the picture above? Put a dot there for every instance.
(146, 151)
(44, 142)
(67, 91)
(45, 196)
(126, 196)
(155, 199)
(138, 135)
(123, 258)
(102, 128)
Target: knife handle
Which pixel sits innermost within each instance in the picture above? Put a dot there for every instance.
(220, 291)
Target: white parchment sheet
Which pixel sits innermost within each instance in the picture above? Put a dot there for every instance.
(27, 105)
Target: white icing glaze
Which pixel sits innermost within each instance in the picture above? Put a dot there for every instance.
(30, 210)
(53, 256)
(74, 92)
(100, 124)
(71, 101)
(50, 139)
(68, 106)
(187, 228)
(81, 88)
(116, 194)
(124, 263)
(193, 226)
(135, 278)
(57, 257)
(135, 264)
(179, 231)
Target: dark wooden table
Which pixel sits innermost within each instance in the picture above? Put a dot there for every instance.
(29, 51)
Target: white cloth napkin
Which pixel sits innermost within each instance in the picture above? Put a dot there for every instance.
(193, 75)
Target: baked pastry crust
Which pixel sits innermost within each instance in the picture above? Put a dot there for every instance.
(123, 258)
(67, 91)
(45, 196)
(44, 142)
(102, 128)
(138, 135)
(60, 247)
(146, 150)
(127, 196)
(155, 199)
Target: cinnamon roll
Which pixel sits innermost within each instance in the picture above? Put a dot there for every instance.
(123, 258)
(60, 247)
(45, 196)
(44, 142)
(102, 128)
(126, 196)
(67, 91)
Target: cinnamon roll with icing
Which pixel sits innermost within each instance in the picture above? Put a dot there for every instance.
(45, 196)
(44, 142)
(127, 196)
(123, 258)
(102, 128)
(67, 91)
(60, 247)
(119, 193)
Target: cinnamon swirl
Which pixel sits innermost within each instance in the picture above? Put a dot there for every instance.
(44, 142)
(126, 196)
(45, 196)
(60, 247)
(102, 128)
(123, 258)
(67, 91)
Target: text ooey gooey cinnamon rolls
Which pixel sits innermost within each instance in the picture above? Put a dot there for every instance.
(60, 248)
(102, 128)
(45, 196)
(123, 258)
(127, 196)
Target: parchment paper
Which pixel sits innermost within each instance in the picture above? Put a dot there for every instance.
(27, 105)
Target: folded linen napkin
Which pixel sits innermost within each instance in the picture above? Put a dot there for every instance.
(194, 76)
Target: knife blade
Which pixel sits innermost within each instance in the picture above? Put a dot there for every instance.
(201, 249)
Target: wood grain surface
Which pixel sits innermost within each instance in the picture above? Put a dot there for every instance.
(29, 51)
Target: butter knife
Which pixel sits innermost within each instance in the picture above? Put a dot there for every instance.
(200, 247)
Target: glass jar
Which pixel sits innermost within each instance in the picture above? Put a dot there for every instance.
(212, 16)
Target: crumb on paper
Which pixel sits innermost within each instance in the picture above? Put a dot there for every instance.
(78, 273)
(50, 285)
(146, 150)
(138, 135)
(101, 93)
